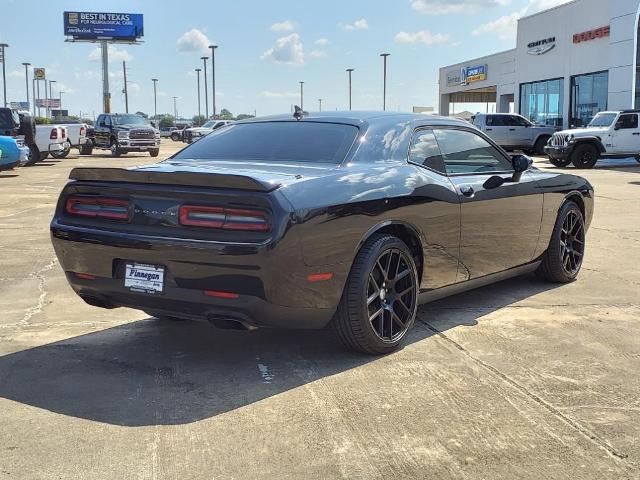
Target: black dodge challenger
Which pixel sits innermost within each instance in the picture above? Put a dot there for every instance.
(350, 219)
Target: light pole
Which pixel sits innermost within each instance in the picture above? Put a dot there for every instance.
(301, 95)
(349, 70)
(384, 83)
(155, 97)
(320, 104)
(26, 77)
(198, 70)
(51, 82)
(175, 110)
(60, 95)
(4, 71)
(206, 91)
(213, 76)
(125, 90)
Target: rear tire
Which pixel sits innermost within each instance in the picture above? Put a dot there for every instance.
(62, 154)
(585, 155)
(540, 144)
(154, 152)
(43, 156)
(562, 261)
(380, 298)
(175, 137)
(86, 148)
(34, 155)
(560, 162)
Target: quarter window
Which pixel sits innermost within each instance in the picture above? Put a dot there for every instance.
(467, 152)
(425, 151)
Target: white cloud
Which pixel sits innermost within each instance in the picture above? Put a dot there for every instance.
(318, 54)
(285, 26)
(63, 87)
(322, 42)
(361, 24)
(16, 73)
(288, 50)
(269, 94)
(506, 26)
(443, 7)
(422, 36)
(115, 55)
(193, 41)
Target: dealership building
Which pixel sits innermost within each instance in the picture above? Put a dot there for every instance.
(570, 62)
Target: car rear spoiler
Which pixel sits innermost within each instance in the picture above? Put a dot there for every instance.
(198, 179)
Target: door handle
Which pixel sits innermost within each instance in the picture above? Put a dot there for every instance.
(467, 190)
(489, 129)
(512, 129)
(637, 133)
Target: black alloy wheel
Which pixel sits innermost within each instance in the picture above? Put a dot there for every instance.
(584, 156)
(380, 298)
(562, 261)
(572, 242)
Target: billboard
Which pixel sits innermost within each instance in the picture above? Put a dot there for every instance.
(103, 26)
(19, 105)
(48, 102)
(476, 74)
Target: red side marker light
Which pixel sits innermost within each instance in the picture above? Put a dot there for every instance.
(320, 277)
(217, 294)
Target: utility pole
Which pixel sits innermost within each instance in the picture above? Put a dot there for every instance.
(155, 96)
(301, 95)
(384, 82)
(175, 110)
(26, 78)
(213, 76)
(206, 90)
(349, 70)
(60, 97)
(106, 96)
(4, 70)
(320, 104)
(198, 70)
(125, 91)
(33, 89)
(38, 87)
(51, 82)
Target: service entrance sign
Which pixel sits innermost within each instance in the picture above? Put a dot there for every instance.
(103, 26)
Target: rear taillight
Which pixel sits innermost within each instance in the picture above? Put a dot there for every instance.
(54, 134)
(224, 218)
(82, 131)
(98, 207)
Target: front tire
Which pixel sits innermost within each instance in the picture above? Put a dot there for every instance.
(584, 156)
(563, 259)
(175, 137)
(86, 148)
(34, 155)
(540, 144)
(115, 150)
(560, 162)
(380, 298)
(154, 152)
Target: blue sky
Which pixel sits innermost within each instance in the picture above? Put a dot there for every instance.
(265, 48)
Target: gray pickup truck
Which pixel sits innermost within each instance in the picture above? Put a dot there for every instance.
(514, 132)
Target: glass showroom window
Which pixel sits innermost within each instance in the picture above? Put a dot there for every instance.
(541, 102)
(588, 96)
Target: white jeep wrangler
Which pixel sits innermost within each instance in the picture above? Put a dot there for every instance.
(608, 135)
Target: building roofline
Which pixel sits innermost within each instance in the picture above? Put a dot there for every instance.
(547, 10)
(478, 59)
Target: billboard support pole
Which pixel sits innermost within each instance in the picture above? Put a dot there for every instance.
(106, 96)
(126, 92)
(4, 71)
(46, 99)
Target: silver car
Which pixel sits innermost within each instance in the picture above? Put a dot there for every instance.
(514, 132)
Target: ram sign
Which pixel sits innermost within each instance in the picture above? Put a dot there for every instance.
(103, 26)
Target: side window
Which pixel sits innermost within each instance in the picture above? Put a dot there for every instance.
(107, 120)
(466, 152)
(489, 120)
(100, 119)
(425, 151)
(628, 120)
(520, 121)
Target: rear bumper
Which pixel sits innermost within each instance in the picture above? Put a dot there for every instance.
(560, 153)
(272, 285)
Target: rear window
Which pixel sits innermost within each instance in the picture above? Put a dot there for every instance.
(312, 142)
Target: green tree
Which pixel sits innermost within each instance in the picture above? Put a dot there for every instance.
(198, 120)
(166, 121)
(244, 116)
(225, 114)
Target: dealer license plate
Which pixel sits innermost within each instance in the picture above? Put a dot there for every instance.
(144, 278)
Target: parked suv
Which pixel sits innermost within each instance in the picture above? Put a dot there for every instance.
(123, 133)
(609, 135)
(514, 132)
(190, 135)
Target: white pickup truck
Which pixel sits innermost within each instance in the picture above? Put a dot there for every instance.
(50, 139)
(613, 134)
(76, 135)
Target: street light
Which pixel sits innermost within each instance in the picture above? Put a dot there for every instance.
(26, 77)
(206, 91)
(155, 98)
(301, 95)
(4, 72)
(349, 70)
(320, 104)
(51, 82)
(384, 87)
(60, 96)
(175, 110)
(213, 76)
(198, 70)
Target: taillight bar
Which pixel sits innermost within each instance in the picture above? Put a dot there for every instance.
(224, 218)
(98, 207)
(54, 134)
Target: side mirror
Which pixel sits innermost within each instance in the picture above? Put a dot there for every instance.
(521, 163)
(618, 126)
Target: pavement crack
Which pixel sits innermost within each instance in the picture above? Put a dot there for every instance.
(37, 308)
(599, 441)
